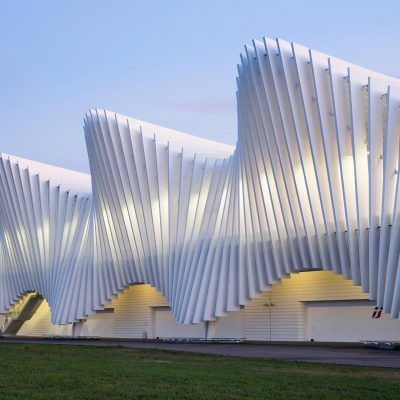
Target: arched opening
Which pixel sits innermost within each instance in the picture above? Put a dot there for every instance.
(29, 315)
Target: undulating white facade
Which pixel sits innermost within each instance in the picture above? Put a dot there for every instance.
(311, 185)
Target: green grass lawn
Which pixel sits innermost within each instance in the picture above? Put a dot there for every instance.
(83, 372)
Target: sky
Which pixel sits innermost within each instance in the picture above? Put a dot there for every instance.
(172, 63)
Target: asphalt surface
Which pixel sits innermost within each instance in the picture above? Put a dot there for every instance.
(312, 352)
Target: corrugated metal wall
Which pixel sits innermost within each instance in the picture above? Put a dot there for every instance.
(133, 315)
(281, 314)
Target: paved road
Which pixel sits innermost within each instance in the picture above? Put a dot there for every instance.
(320, 353)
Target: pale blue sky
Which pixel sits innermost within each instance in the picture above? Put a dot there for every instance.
(172, 63)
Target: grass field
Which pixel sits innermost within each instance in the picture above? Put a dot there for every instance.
(84, 372)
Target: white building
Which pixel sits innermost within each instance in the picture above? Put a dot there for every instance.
(292, 235)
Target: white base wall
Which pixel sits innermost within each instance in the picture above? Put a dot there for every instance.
(142, 312)
(132, 317)
(165, 326)
(230, 326)
(101, 325)
(281, 314)
(348, 321)
(309, 305)
(134, 312)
